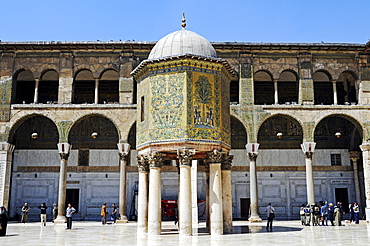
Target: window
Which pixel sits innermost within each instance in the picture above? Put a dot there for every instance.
(142, 108)
(335, 160)
(83, 157)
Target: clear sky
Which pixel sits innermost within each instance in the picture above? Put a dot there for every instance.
(284, 21)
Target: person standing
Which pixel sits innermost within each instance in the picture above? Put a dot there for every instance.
(307, 212)
(55, 212)
(302, 214)
(351, 212)
(69, 211)
(331, 213)
(316, 215)
(324, 213)
(337, 215)
(103, 214)
(43, 208)
(114, 213)
(3, 220)
(270, 216)
(356, 211)
(25, 210)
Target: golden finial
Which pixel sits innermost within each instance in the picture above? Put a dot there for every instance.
(183, 21)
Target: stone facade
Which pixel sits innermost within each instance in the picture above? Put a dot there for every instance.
(301, 83)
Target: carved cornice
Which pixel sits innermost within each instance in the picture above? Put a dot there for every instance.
(143, 163)
(185, 156)
(226, 162)
(252, 156)
(155, 159)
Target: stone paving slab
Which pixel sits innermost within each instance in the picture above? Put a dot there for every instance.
(244, 233)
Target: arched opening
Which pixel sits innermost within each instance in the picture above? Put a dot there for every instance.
(108, 87)
(288, 88)
(238, 134)
(48, 87)
(280, 132)
(84, 87)
(23, 87)
(35, 132)
(323, 88)
(337, 132)
(346, 88)
(263, 88)
(95, 139)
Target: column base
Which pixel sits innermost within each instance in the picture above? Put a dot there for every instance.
(60, 220)
(122, 219)
(254, 218)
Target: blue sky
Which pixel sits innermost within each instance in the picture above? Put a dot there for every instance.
(284, 21)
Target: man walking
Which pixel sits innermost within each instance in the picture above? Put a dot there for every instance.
(270, 216)
(43, 208)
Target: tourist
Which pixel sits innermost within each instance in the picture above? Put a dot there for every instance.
(316, 215)
(324, 214)
(331, 213)
(302, 214)
(351, 212)
(307, 212)
(55, 212)
(43, 208)
(3, 220)
(69, 211)
(103, 214)
(25, 210)
(356, 211)
(270, 216)
(337, 215)
(114, 213)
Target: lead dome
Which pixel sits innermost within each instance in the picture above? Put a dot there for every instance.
(182, 42)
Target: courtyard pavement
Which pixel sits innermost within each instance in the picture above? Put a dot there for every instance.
(244, 233)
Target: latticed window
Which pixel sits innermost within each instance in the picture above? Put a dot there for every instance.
(335, 159)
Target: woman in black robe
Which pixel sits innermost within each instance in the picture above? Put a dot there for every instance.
(3, 220)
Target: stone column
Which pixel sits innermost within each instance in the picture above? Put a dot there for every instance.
(335, 93)
(227, 201)
(309, 178)
(206, 165)
(123, 157)
(6, 150)
(64, 151)
(276, 94)
(36, 95)
(155, 185)
(253, 187)
(96, 95)
(215, 192)
(142, 206)
(365, 147)
(355, 156)
(185, 157)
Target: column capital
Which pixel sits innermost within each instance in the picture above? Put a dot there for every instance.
(354, 155)
(155, 159)
(308, 154)
(123, 156)
(365, 146)
(214, 156)
(185, 156)
(252, 156)
(226, 162)
(4, 146)
(142, 162)
(64, 156)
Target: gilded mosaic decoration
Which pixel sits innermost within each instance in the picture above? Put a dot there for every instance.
(5, 89)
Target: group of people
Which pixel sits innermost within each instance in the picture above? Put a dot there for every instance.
(316, 215)
(104, 214)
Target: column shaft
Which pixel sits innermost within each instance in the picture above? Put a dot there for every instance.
(253, 188)
(154, 210)
(62, 191)
(276, 94)
(310, 181)
(365, 147)
(227, 203)
(122, 188)
(215, 199)
(36, 95)
(96, 95)
(185, 198)
(335, 93)
(6, 157)
(142, 206)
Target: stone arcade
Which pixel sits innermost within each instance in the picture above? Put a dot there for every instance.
(238, 125)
